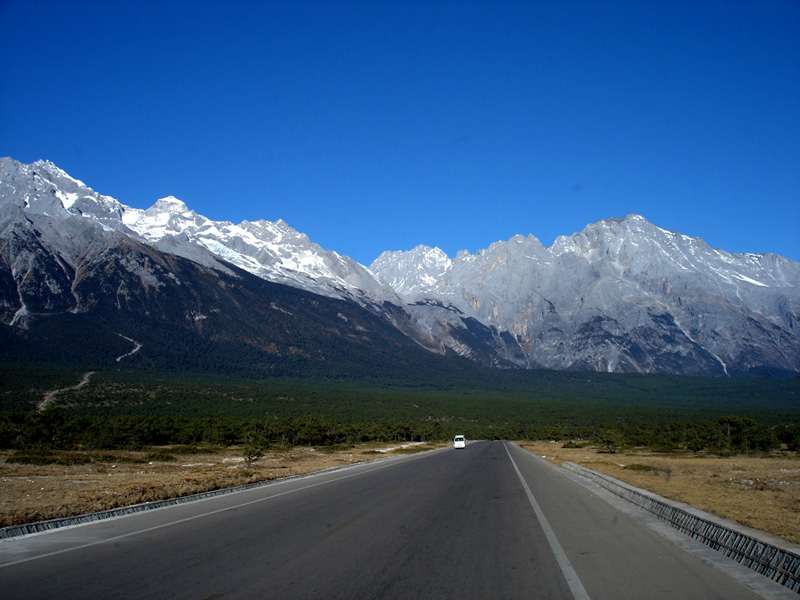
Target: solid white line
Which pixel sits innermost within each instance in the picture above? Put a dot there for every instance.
(575, 585)
(371, 468)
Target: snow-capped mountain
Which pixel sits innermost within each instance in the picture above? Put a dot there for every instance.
(414, 272)
(272, 251)
(622, 295)
(89, 281)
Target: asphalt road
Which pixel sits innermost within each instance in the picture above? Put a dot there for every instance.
(490, 521)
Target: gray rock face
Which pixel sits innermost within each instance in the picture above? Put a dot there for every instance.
(622, 295)
(84, 281)
(272, 251)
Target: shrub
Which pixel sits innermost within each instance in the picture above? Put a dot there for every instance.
(43, 457)
(574, 444)
(638, 467)
(161, 456)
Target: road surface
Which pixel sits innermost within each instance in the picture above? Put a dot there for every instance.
(490, 521)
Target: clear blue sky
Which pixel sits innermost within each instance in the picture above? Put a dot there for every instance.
(380, 125)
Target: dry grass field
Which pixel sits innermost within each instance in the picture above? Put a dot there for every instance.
(109, 479)
(763, 492)
(759, 492)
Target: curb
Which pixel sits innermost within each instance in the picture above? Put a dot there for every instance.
(13, 531)
(781, 565)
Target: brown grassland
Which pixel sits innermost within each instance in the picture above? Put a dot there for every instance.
(759, 492)
(120, 478)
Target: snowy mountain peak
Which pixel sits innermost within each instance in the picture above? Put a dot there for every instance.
(270, 250)
(170, 205)
(55, 172)
(621, 295)
(414, 272)
(518, 245)
(276, 232)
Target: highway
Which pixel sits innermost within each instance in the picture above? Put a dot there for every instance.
(490, 521)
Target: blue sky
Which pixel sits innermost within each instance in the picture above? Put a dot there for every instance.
(376, 126)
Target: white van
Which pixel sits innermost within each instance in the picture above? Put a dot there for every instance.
(460, 442)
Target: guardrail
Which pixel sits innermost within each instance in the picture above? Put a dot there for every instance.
(779, 564)
(40, 526)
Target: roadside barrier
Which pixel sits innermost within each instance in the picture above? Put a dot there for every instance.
(779, 564)
(40, 526)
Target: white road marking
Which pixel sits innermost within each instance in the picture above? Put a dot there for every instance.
(370, 467)
(575, 585)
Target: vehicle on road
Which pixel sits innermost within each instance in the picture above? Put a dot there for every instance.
(459, 441)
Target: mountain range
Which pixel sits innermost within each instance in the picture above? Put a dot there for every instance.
(85, 278)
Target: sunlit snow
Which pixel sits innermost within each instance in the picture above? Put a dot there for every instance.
(748, 280)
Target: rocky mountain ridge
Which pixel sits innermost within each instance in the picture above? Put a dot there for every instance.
(79, 285)
(622, 295)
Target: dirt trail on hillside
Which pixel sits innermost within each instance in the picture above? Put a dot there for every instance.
(50, 396)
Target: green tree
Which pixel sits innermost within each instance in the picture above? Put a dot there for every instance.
(254, 448)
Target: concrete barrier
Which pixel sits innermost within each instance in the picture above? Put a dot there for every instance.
(779, 564)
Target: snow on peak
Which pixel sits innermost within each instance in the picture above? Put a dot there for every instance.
(270, 250)
(170, 205)
(54, 171)
(413, 272)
